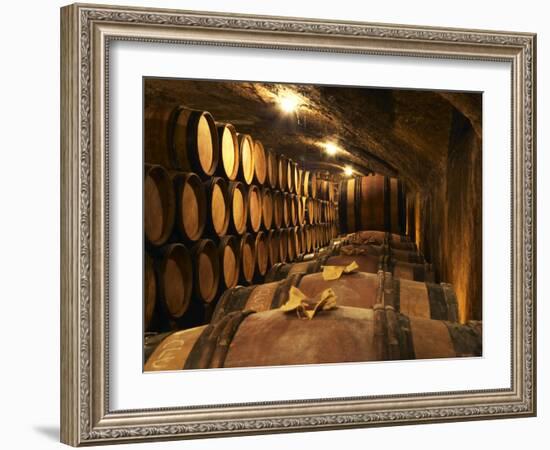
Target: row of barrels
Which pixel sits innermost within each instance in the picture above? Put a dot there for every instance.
(371, 251)
(179, 279)
(189, 140)
(379, 316)
(179, 205)
(373, 202)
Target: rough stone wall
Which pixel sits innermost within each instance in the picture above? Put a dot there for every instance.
(450, 228)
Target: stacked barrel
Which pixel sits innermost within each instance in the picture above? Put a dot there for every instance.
(231, 228)
(220, 210)
(379, 316)
(373, 202)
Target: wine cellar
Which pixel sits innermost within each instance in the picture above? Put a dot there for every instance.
(279, 230)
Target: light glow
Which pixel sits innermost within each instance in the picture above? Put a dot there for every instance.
(348, 171)
(331, 148)
(289, 102)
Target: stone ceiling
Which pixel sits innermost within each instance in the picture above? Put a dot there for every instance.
(396, 132)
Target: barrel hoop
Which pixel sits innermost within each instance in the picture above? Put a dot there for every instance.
(321, 261)
(438, 303)
(281, 293)
(389, 292)
(198, 354)
(406, 344)
(419, 272)
(466, 341)
(380, 332)
(392, 338)
(397, 294)
(226, 337)
(241, 297)
(452, 303)
(204, 351)
(342, 207)
(232, 300)
(170, 138)
(273, 274)
(401, 208)
(357, 204)
(380, 291)
(223, 302)
(387, 239)
(387, 204)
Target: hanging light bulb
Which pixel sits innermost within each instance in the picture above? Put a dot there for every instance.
(348, 171)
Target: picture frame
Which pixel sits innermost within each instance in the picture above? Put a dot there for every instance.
(87, 32)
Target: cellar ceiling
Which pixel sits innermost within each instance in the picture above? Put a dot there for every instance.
(395, 132)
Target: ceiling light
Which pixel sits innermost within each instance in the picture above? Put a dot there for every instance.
(331, 148)
(348, 171)
(289, 102)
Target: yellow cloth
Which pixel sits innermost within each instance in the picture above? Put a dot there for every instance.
(307, 308)
(335, 272)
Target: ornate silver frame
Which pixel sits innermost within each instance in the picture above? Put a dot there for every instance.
(86, 31)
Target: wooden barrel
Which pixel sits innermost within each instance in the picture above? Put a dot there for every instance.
(312, 185)
(343, 334)
(294, 210)
(300, 182)
(229, 254)
(267, 208)
(237, 197)
(297, 240)
(149, 291)
(396, 241)
(289, 175)
(302, 210)
(310, 210)
(301, 246)
(191, 205)
(217, 206)
(308, 239)
(207, 270)
(283, 244)
(331, 191)
(287, 209)
(254, 207)
(309, 184)
(322, 189)
(159, 209)
(282, 172)
(175, 277)
(292, 243)
(314, 245)
(246, 158)
(399, 255)
(247, 258)
(181, 139)
(273, 247)
(262, 254)
(260, 163)
(373, 202)
(278, 209)
(229, 151)
(272, 175)
(358, 290)
(294, 176)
